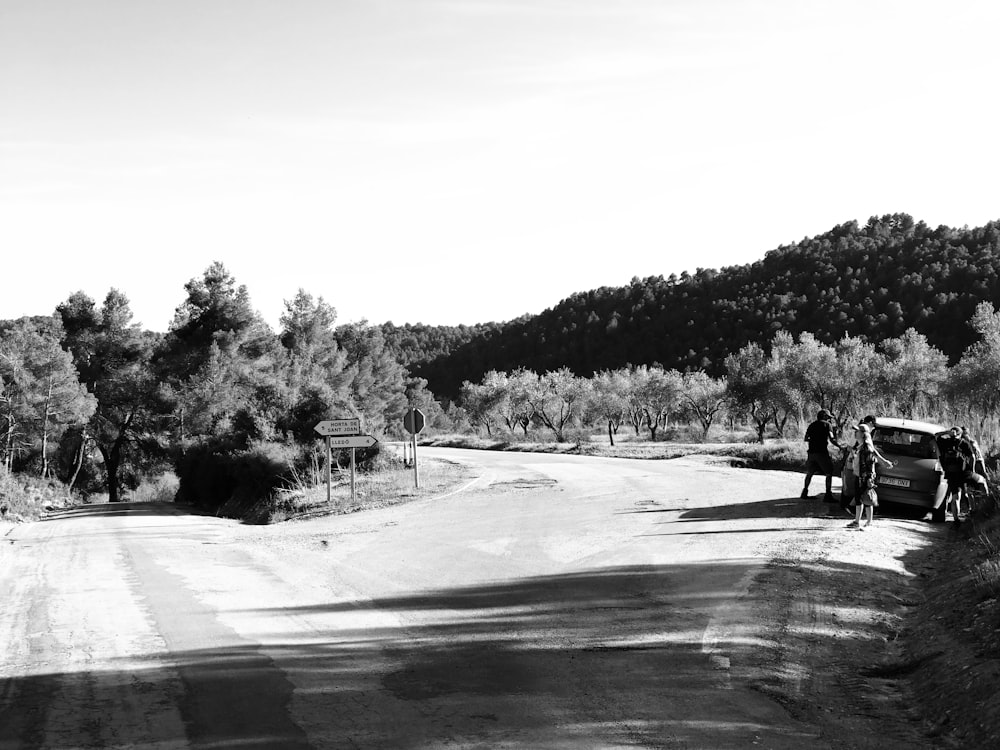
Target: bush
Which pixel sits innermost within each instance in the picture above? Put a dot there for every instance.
(159, 489)
(680, 433)
(232, 482)
(25, 498)
(365, 459)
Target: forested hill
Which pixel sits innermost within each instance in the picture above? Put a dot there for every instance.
(873, 281)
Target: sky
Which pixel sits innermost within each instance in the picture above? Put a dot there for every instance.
(456, 162)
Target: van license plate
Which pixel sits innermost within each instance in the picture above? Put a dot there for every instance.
(894, 481)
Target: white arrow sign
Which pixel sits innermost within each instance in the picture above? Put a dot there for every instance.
(353, 441)
(349, 426)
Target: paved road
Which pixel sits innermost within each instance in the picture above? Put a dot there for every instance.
(552, 602)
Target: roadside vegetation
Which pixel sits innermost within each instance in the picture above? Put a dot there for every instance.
(392, 483)
(26, 498)
(779, 455)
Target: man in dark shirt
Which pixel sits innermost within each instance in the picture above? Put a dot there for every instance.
(819, 435)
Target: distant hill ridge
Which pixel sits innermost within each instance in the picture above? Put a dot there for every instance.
(873, 281)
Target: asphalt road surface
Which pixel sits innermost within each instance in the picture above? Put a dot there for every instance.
(548, 602)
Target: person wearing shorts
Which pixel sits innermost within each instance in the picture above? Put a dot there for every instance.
(976, 479)
(866, 499)
(852, 455)
(819, 436)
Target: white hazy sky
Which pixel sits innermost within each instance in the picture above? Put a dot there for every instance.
(466, 161)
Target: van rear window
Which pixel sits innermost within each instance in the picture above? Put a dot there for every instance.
(905, 443)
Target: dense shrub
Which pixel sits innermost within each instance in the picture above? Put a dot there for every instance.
(365, 459)
(245, 482)
(231, 481)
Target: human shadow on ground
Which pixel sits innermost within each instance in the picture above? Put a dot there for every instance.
(778, 507)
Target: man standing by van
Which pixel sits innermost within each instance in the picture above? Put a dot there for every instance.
(819, 435)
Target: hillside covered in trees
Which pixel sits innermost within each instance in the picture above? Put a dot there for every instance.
(873, 281)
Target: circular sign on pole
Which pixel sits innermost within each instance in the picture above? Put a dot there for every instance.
(413, 421)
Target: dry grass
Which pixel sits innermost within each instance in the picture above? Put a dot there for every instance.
(25, 498)
(985, 523)
(158, 489)
(786, 455)
(390, 485)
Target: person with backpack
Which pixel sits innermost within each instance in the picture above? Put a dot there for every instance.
(957, 459)
(978, 460)
(819, 435)
(976, 477)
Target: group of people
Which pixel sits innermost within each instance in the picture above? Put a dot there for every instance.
(964, 467)
(961, 460)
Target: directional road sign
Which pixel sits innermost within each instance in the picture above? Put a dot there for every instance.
(353, 441)
(349, 426)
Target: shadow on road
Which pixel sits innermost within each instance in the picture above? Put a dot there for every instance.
(779, 507)
(612, 657)
(111, 510)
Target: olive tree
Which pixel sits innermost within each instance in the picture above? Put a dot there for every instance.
(753, 386)
(610, 398)
(704, 397)
(914, 372)
(654, 396)
(558, 398)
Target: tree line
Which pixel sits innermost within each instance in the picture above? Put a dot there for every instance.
(767, 389)
(89, 397)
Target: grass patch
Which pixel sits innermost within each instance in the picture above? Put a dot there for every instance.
(159, 489)
(390, 484)
(781, 455)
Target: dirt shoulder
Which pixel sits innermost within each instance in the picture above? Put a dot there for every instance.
(881, 634)
(953, 642)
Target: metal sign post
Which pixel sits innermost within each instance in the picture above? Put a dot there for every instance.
(342, 433)
(416, 471)
(413, 422)
(353, 442)
(329, 460)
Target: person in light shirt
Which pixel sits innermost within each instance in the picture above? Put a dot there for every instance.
(868, 459)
